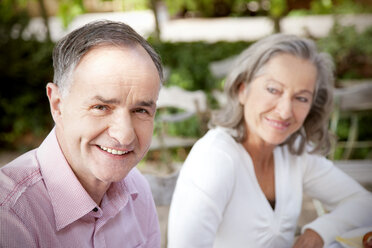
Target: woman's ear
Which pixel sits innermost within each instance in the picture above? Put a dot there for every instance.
(242, 93)
(55, 100)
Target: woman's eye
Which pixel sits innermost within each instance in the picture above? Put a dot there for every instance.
(302, 99)
(272, 90)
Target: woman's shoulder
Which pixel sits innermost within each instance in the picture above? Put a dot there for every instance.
(217, 138)
(305, 161)
(212, 160)
(216, 150)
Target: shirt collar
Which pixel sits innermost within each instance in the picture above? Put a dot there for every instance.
(117, 195)
(69, 199)
(129, 184)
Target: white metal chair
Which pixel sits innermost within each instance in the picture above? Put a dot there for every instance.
(192, 103)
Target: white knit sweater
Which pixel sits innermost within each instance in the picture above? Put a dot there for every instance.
(219, 203)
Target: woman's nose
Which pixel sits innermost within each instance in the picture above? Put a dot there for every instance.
(284, 108)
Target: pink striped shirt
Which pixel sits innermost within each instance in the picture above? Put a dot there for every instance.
(42, 204)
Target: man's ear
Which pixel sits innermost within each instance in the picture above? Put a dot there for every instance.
(242, 93)
(55, 99)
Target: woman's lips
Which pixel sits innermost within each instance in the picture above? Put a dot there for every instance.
(280, 125)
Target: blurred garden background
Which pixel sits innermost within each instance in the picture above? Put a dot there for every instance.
(197, 40)
(191, 36)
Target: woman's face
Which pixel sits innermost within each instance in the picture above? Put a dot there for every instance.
(278, 99)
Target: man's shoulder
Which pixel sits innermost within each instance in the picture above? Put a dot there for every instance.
(17, 176)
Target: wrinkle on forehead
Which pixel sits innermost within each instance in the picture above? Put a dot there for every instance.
(118, 74)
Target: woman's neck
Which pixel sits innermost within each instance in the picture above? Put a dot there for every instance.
(261, 153)
(263, 162)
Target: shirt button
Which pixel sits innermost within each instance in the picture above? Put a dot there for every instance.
(95, 209)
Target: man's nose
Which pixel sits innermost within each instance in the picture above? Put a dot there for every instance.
(122, 129)
(285, 108)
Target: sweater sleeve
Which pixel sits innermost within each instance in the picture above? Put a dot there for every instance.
(202, 192)
(348, 203)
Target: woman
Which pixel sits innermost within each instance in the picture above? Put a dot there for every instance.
(242, 183)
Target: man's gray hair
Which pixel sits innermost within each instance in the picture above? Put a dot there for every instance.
(315, 128)
(71, 48)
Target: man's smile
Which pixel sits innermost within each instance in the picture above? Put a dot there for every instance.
(113, 151)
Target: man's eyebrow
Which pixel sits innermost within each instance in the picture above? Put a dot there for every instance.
(149, 103)
(106, 101)
(146, 103)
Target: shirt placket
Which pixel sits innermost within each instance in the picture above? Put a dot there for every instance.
(98, 235)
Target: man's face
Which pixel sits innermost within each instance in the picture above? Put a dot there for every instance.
(105, 123)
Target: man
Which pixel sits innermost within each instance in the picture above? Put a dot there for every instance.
(80, 187)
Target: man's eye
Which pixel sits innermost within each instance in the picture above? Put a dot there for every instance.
(141, 111)
(101, 107)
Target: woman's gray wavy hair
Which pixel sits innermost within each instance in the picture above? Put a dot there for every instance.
(71, 48)
(314, 131)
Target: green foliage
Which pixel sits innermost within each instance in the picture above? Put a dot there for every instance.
(189, 62)
(343, 129)
(207, 8)
(364, 134)
(8, 8)
(352, 54)
(278, 8)
(129, 5)
(176, 6)
(25, 67)
(321, 6)
(365, 124)
(188, 128)
(351, 51)
(69, 9)
(351, 7)
(326, 7)
(13, 19)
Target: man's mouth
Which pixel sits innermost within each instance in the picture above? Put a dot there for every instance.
(113, 151)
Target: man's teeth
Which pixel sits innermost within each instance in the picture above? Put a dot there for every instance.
(113, 151)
